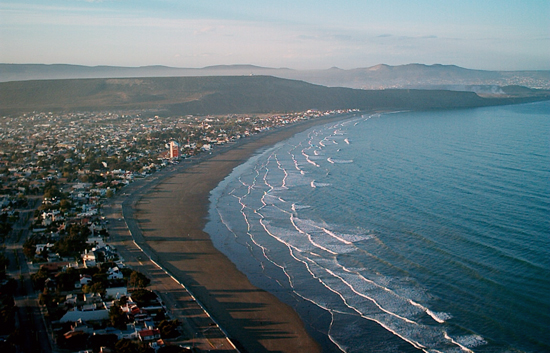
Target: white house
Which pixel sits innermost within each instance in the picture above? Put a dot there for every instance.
(85, 280)
(114, 273)
(86, 316)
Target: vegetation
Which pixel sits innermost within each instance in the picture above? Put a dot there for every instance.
(117, 317)
(143, 297)
(138, 280)
(169, 328)
(223, 95)
(128, 346)
(73, 243)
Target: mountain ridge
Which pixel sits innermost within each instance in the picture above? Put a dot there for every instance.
(227, 95)
(380, 76)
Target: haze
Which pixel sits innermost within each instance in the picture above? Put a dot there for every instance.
(489, 35)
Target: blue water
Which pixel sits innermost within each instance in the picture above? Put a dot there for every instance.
(410, 229)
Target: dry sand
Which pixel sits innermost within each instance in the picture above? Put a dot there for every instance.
(172, 216)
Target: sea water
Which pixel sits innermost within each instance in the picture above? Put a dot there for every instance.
(390, 232)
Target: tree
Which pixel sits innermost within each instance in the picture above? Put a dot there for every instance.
(98, 341)
(66, 280)
(98, 288)
(94, 288)
(38, 278)
(138, 280)
(117, 317)
(169, 328)
(51, 191)
(143, 296)
(65, 204)
(5, 227)
(100, 278)
(126, 346)
(74, 242)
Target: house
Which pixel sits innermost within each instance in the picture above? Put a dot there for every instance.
(158, 344)
(85, 280)
(41, 247)
(86, 316)
(116, 292)
(149, 335)
(108, 252)
(79, 325)
(53, 267)
(89, 258)
(71, 299)
(92, 298)
(114, 273)
(96, 241)
(130, 332)
(50, 283)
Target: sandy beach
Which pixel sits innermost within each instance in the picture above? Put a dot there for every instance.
(171, 215)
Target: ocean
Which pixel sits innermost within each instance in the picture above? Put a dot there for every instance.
(402, 231)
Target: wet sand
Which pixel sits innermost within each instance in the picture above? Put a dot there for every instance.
(172, 214)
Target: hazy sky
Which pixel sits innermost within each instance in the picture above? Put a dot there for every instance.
(316, 34)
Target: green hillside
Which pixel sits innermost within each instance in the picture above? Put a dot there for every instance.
(220, 95)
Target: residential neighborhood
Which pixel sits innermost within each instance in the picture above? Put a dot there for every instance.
(57, 172)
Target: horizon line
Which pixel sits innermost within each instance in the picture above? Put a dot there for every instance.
(265, 67)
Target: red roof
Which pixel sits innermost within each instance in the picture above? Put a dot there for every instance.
(149, 332)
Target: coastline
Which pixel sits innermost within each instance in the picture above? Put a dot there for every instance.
(171, 212)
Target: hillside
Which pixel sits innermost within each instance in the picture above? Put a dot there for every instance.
(221, 95)
(375, 77)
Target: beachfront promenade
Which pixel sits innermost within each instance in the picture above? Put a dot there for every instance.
(200, 329)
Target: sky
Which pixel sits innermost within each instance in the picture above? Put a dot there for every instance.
(308, 34)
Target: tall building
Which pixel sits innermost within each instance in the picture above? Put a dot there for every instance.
(174, 150)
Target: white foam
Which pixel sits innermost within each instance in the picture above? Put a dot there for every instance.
(266, 214)
(316, 158)
(339, 161)
(309, 160)
(471, 341)
(462, 347)
(319, 185)
(296, 207)
(440, 317)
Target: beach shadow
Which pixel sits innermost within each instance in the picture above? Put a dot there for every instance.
(239, 160)
(231, 293)
(237, 316)
(180, 238)
(157, 191)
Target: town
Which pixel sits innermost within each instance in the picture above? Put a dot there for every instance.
(64, 287)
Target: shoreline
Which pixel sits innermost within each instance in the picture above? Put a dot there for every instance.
(171, 211)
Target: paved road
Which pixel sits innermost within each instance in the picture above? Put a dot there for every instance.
(30, 319)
